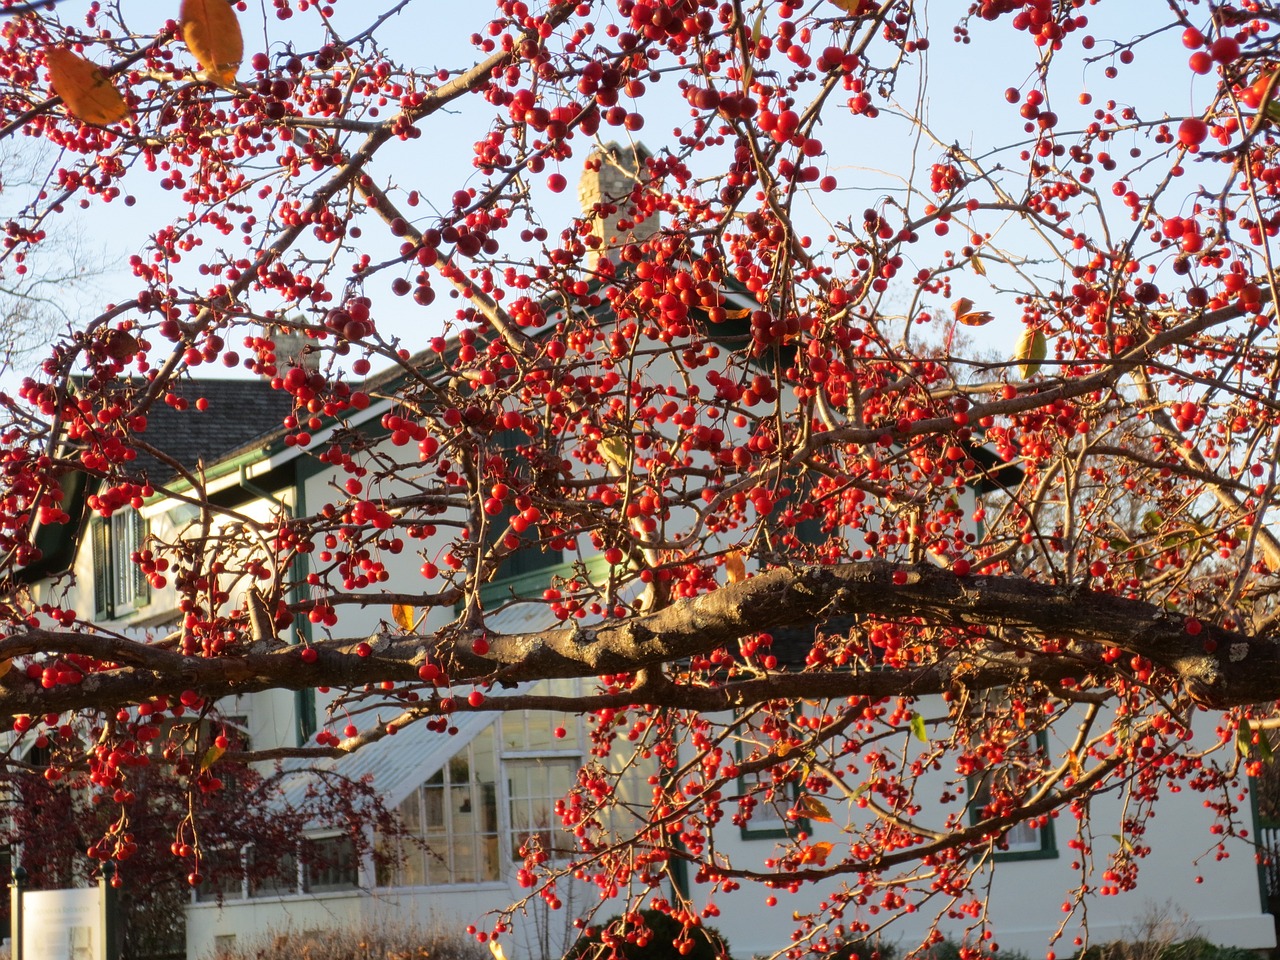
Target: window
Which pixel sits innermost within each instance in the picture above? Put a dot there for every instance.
(329, 863)
(534, 785)
(514, 455)
(223, 868)
(999, 791)
(541, 755)
(270, 877)
(471, 819)
(763, 806)
(119, 586)
(450, 824)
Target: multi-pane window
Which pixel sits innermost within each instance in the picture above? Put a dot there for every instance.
(541, 751)
(1000, 789)
(450, 823)
(279, 878)
(225, 869)
(533, 787)
(329, 863)
(763, 804)
(494, 799)
(119, 586)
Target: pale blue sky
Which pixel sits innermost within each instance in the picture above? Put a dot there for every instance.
(964, 104)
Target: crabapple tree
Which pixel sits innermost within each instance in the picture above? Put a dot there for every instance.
(909, 394)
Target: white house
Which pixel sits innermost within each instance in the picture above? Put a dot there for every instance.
(473, 794)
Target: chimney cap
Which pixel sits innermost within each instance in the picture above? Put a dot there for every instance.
(292, 347)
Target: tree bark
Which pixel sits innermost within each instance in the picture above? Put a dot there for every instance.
(1005, 619)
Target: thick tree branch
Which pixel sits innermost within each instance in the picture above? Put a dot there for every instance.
(1219, 668)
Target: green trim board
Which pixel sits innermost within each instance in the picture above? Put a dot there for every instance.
(528, 585)
(304, 701)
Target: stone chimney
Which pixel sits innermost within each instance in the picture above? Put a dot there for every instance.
(293, 348)
(610, 175)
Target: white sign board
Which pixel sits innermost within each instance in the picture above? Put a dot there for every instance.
(62, 924)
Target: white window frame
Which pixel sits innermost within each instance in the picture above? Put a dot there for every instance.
(574, 751)
(306, 885)
(523, 761)
(119, 586)
(394, 876)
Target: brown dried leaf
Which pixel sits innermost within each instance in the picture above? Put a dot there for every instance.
(87, 93)
(817, 853)
(212, 34)
(963, 309)
(735, 567)
(120, 344)
(811, 808)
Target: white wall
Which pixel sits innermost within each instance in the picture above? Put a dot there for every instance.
(1024, 898)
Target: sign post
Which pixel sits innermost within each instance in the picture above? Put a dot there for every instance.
(110, 913)
(18, 881)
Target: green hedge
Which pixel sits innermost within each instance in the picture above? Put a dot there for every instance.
(654, 938)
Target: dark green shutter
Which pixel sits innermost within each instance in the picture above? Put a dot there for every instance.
(140, 530)
(100, 534)
(530, 557)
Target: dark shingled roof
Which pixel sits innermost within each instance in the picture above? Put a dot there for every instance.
(238, 412)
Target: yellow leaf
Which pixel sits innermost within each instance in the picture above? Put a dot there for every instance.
(737, 314)
(402, 613)
(87, 93)
(963, 309)
(212, 34)
(734, 567)
(817, 853)
(614, 449)
(811, 808)
(748, 65)
(976, 262)
(855, 8)
(211, 756)
(1031, 349)
(496, 949)
(1074, 762)
(5, 667)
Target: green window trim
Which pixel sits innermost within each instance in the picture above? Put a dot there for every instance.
(530, 557)
(782, 828)
(1048, 848)
(530, 584)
